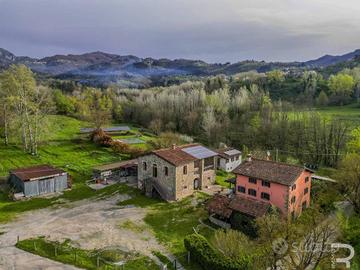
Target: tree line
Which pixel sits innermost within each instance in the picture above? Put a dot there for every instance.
(242, 111)
(24, 107)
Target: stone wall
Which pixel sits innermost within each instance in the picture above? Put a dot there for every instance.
(177, 184)
(185, 182)
(166, 182)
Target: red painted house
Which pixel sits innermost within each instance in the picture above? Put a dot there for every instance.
(283, 185)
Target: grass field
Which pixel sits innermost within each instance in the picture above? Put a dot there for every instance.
(65, 149)
(348, 113)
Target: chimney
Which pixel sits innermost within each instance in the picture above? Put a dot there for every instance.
(173, 146)
(249, 158)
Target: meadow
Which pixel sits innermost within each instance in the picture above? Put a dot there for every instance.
(64, 148)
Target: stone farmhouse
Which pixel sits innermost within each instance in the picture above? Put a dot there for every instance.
(176, 172)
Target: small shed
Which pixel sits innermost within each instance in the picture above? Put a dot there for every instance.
(123, 171)
(38, 180)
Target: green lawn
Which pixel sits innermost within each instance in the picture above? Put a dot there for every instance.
(221, 176)
(349, 112)
(65, 149)
(86, 259)
(171, 222)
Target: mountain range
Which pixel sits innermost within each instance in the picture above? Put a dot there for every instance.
(99, 68)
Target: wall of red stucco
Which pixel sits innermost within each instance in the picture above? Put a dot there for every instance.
(280, 195)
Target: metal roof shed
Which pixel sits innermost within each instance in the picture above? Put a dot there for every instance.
(38, 180)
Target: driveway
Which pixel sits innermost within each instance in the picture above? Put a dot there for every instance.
(12, 258)
(91, 224)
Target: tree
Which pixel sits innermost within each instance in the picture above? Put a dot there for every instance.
(209, 122)
(166, 139)
(354, 142)
(348, 178)
(272, 228)
(313, 233)
(301, 244)
(310, 79)
(341, 87)
(5, 112)
(18, 81)
(64, 104)
(322, 99)
(41, 107)
(99, 107)
(355, 73)
(275, 76)
(232, 244)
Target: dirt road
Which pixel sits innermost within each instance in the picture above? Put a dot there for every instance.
(92, 224)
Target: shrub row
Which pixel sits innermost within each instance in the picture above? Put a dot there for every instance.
(208, 258)
(99, 137)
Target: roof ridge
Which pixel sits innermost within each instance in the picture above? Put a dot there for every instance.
(277, 162)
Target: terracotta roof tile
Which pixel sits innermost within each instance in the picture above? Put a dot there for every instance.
(277, 172)
(219, 205)
(175, 156)
(249, 206)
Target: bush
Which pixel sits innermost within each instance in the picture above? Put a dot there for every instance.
(208, 258)
(99, 137)
(244, 223)
(120, 147)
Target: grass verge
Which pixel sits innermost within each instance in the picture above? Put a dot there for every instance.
(86, 259)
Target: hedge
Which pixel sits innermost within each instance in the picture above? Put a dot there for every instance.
(208, 258)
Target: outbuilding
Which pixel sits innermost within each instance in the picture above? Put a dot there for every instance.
(122, 171)
(38, 180)
(228, 159)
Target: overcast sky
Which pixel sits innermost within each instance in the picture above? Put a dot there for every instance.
(212, 30)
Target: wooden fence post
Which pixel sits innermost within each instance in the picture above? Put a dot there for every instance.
(188, 257)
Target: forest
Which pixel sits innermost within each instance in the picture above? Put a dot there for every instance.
(274, 112)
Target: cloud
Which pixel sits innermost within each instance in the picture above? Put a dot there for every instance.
(213, 30)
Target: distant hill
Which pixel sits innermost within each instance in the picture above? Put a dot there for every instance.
(99, 68)
(328, 60)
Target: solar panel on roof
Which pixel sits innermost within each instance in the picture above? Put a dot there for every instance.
(199, 152)
(232, 152)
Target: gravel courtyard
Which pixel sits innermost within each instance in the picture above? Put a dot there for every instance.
(92, 224)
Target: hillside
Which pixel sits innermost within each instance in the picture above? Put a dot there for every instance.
(103, 69)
